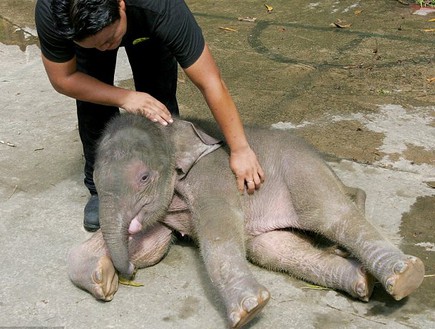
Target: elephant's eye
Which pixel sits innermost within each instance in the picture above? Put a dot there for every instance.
(144, 177)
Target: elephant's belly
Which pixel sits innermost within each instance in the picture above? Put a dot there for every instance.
(180, 221)
(271, 213)
(179, 217)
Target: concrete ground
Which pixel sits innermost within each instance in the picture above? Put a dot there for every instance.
(362, 93)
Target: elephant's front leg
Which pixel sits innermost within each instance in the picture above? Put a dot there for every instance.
(220, 233)
(90, 266)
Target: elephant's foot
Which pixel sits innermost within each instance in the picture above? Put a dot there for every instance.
(362, 286)
(247, 306)
(407, 276)
(97, 275)
(105, 279)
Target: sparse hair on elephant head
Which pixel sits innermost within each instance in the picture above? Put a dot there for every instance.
(136, 167)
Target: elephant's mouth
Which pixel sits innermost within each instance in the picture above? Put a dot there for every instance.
(135, 225)
(138, 224)
(137, 218)
(144, 218)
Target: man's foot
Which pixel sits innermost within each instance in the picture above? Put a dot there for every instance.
(92, 220)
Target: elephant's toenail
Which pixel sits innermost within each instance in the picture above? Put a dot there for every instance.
(235, 318)
(250, 303)
(389, 285)
(400, 267)
(265, 295)
(98, 276)
(361, 289)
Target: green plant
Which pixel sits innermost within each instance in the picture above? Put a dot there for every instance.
(424, 3)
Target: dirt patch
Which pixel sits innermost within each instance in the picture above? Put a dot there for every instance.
(417, 230)
(351, 140)
(419, 155)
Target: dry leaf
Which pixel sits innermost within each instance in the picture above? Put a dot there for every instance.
(131, 283)
(269, 8)
(428, 30)
(229, 29)
(314, 287)
(357, 12)
(340, 24)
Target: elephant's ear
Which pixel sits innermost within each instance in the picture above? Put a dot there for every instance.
(191, 145)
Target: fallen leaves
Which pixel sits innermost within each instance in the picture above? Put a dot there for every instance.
(340, 24)
(269, 8)
(245, 19)
(131, 283)
(314, 287)
(432, 29)
(228, 29)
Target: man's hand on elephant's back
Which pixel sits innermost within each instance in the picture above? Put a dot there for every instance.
(146, 105)
(248, 171)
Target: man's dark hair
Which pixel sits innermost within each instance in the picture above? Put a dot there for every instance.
(79, 19)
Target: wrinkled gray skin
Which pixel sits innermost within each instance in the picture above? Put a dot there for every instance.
(154, 180)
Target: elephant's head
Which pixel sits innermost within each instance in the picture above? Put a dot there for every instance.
(137, 165)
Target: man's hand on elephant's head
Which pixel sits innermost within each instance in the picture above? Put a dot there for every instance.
(146, 105)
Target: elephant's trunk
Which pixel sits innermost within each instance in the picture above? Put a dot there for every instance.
(115, 233)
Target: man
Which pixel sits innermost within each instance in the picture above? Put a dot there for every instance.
(79, 41)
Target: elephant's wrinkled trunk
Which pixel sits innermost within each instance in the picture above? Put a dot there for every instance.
(115, 234)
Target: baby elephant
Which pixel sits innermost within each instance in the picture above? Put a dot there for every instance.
(153, 181)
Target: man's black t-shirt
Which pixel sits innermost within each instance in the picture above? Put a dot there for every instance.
(169, 21)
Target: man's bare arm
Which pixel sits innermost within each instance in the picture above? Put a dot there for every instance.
(205, 74)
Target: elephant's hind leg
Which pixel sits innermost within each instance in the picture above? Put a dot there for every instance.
(406, 275)
(296, 254)
(400, 274)
(358, 196)
(90, 268)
